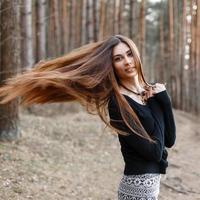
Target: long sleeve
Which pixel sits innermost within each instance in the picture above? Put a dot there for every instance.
(149, 151)
(170, 128)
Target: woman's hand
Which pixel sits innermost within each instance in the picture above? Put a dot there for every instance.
(150, 91)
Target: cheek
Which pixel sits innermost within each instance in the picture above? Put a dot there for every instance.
(118, 66)
(117, 69)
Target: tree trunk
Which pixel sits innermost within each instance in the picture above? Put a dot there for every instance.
(193, 58)
(27, 57)
(142, 31)
(160, 71)
(73, 24)
(102, 19)
(95, 22)
(40, 30)
(132, 15)
(65, 24)
(109, 19)
(10, 62)
(70, 28)
(89, 24)
(116, 14)
(120, 16)
(198, 59)
(182, 44)
(78, 23)
(51, 44)
(192, 61)
(83, 22)
(174, 66)
(170, 45)
(57, 30)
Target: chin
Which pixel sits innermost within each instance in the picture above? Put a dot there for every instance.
(131, 74)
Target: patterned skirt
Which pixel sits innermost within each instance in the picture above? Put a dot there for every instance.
(139, 187)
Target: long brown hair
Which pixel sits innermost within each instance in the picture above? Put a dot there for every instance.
(85, 75)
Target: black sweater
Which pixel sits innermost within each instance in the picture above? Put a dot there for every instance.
(140, 155)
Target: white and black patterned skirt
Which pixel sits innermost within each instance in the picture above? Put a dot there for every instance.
(139, 187)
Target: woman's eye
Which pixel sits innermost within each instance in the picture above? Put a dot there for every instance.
(118, 59)
(130, 54)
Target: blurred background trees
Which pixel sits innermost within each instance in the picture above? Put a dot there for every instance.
(165, 31)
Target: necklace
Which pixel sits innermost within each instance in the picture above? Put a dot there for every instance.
(141, 94)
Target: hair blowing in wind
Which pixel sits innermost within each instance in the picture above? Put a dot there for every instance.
(85, 75)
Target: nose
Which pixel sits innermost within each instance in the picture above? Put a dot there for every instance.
(127, 60)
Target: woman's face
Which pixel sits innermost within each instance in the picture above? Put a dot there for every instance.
(123, 62)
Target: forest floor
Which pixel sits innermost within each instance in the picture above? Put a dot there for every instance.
(69, 156)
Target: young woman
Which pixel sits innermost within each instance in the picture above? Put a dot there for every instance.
(145, 157)
(107, 78)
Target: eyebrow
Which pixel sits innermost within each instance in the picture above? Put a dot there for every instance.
(121, 54)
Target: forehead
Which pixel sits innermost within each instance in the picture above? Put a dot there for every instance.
(121, 48)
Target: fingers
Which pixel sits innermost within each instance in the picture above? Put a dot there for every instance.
(149, 93)
(151, 90)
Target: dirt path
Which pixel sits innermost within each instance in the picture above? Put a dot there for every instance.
(183, 178)
(71, 157)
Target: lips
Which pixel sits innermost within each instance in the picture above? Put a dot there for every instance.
(130, 69)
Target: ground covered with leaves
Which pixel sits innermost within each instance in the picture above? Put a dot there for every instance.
(66, 154)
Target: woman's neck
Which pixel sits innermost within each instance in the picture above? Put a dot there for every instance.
(132, 84)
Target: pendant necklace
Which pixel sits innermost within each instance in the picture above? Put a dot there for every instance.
(141, 94)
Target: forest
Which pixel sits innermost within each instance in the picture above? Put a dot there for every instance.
(167, 34)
